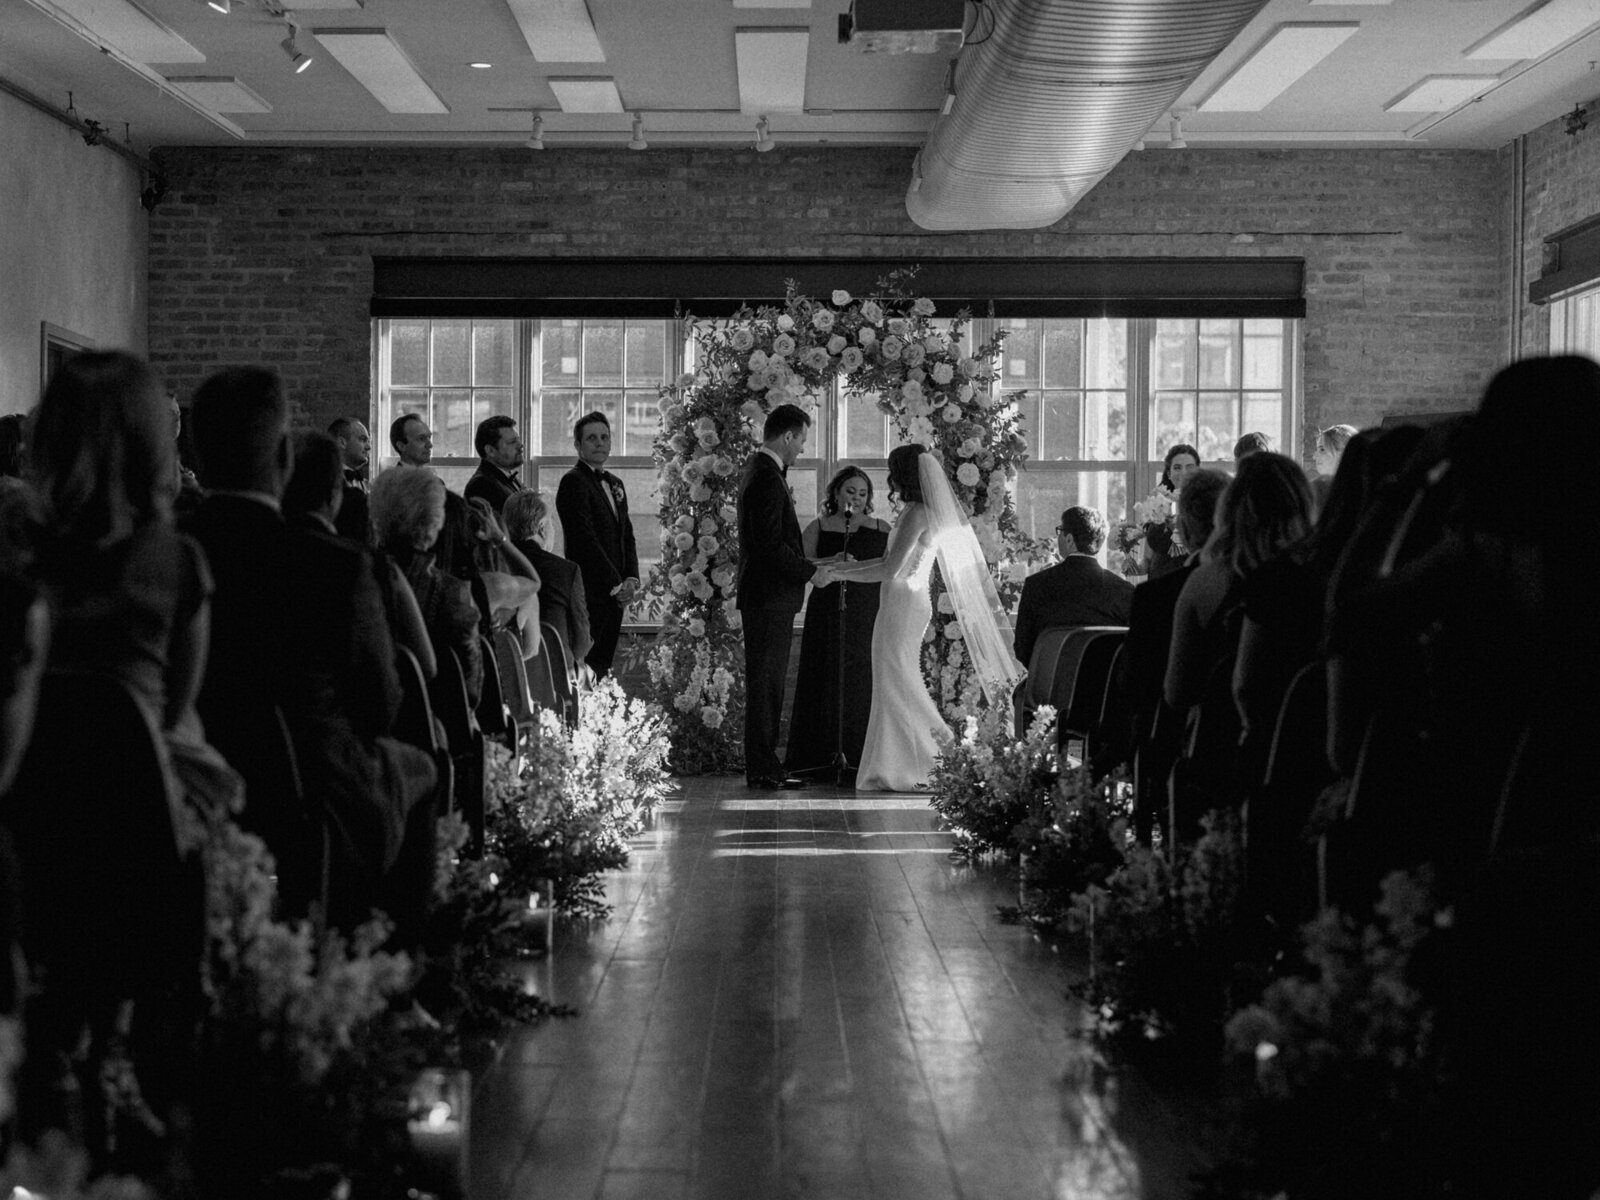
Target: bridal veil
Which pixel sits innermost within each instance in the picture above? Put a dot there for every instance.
(966, 576)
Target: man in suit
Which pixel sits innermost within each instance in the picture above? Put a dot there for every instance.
(298, 633)
(773, 573)
(593, 508)
(499, 455)
(355, 452)
(1143, 667)
(562, 601)
(1077, 590)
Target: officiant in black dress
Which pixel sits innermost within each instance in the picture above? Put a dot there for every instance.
(846, 508)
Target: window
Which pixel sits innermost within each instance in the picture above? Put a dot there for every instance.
(1575, 324)
(1104, 400)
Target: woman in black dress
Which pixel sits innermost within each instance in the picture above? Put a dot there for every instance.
(846, 505)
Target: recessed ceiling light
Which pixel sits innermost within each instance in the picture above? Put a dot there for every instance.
(480, 66)
(1289, 52)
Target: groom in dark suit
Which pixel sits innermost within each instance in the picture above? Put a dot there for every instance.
(599, 537)
(773, 572)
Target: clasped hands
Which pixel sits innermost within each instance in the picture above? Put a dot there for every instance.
(625, 591)
(829, 570)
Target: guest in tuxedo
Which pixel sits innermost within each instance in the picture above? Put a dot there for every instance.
(1077, 590)
(773, 572)
(299, 635)
(499, 449)
(355, 453)
(562, 600)
(593, 508)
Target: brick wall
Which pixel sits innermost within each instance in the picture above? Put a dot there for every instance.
(1561, 186)
(264, 255)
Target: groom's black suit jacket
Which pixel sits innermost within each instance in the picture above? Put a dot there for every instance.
(772, 558)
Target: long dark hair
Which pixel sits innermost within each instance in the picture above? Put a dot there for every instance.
(1172, 453)
(904, 483)
(830, 499)
(1266, 509)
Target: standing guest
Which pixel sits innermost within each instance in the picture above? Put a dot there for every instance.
(1181, 461)
(499, 455)
(1325, 459)
(593, 508)
(407, 514)
(561, 596)
(355, 453)
(1077, 590)
(846, 522)
(773, 572)
(1250, 443)
(299, 636)
(189, 490)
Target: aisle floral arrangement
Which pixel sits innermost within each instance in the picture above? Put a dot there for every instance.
(885, 346)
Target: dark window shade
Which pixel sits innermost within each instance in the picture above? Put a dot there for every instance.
(1572, 262)
(716, 287)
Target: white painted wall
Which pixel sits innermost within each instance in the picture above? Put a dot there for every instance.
(73, 246)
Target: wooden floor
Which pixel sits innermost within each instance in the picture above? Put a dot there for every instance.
(799, 995)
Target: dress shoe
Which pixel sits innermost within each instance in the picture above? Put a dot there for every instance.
(766, 783)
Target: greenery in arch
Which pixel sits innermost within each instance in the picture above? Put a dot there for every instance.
(885, 345)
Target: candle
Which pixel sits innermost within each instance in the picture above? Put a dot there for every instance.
(438, 1129)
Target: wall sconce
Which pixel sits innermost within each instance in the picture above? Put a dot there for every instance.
(536, 139)
(637, 142)
(764, 140)
(297, 57)
(1175, 139)
(1575, 122)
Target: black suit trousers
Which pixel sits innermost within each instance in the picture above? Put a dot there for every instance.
(605, 626)
(767, 637)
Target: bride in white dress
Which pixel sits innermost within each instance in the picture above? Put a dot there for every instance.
(900, 744)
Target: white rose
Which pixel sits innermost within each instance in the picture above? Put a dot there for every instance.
(697, 627)
(711, 717)
(785, 322)
(840, 297)
(943, 373)
(699, 493)
(759, 360)
(951, 413)
(946, 604)
(723, 467)
(708, 545)
(683, 541)
(967, 473)
(836, 344)
(728, 513)
(866, 335)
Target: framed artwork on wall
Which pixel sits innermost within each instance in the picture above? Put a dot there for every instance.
(56, 345)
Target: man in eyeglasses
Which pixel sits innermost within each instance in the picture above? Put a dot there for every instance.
(1077, 590)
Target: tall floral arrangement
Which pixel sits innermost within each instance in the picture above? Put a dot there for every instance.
(885, 345)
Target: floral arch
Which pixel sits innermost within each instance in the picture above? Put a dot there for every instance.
(885, 344)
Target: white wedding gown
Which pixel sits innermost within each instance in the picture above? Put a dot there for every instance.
(900, 746)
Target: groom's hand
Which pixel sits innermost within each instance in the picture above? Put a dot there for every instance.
(823, 577)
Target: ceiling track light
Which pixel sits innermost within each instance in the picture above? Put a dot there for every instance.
(1175, 139)
(764, 140)
(536, 139)
(298, 58)
(637, 142)
(222, 6)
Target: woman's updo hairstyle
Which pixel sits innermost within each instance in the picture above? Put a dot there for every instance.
(905, 484)
(830, 499)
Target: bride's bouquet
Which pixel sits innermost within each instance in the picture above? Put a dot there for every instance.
(1155, 524)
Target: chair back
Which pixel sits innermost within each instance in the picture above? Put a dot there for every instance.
(447, 695)
(1042, 664)
(1082, 672)
(1298, 758)
(555, 645)
(494, 718)
(514, 681)
(466, 743)
(109, 907)
(541, 671)
(414, 723)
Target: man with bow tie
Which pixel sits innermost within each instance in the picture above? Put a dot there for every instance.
(355, 450)
(593, 507)
(499, 455)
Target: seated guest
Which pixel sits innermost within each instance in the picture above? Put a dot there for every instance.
(1250, 443)
(24, 643)
(355, 453)
(499, 455)
(1266, 508)
(1077, 590)
(561, 597)
(299, 635)
(11, 431)
(313, 502)
(408, 510)
(1325, 459)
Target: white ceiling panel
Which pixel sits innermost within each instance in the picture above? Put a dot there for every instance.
(1439, 92)
(382, 67)
(1540, 31)
(125, 27)
(558, 31)
(1279, 62)
(587, 95)
(772, 69)
(221, 94)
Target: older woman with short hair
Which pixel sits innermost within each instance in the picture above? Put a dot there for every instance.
(562, 601)
(407, 507)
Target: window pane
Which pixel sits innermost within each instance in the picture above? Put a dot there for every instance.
(402, 402)
(452, 353)
(559, 349)
(807, 489)
(642, 421)
(455, 478)
(602, 354)
(644, 501)
(1042, 496)
(1028, 404)
(1063, 354)
(489, 402)
(647, 353)
(864, 433)
(609, 403)
(1218, 426)
(494, 353)
(408, 352)
(1219, 366)
(1020, 355)
(452, 423)
(1107, 354)
(1105, 426)
(1174, 350)
(1264, 413)
(1058, 425)
(1263, 354)
(1175, 420)
(558, 411)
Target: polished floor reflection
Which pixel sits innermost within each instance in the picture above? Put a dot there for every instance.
(799, 995)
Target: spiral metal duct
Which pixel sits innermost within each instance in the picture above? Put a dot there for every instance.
(1053, 98)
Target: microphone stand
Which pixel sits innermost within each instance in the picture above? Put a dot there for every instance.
(841, 764)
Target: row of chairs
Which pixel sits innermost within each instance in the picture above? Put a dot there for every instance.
(1072, 669)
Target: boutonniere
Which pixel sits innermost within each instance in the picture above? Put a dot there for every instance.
(617, 493)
